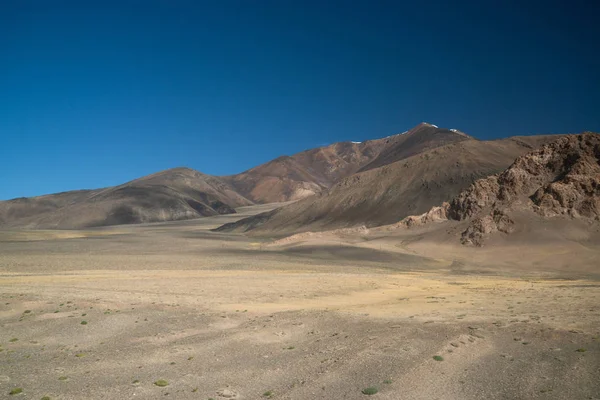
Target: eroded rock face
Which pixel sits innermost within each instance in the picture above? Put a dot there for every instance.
(481, 228)
(436, 214)
(577, 193)
(561, 178)
(480, 195)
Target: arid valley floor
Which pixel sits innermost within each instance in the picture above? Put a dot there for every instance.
(107, 313)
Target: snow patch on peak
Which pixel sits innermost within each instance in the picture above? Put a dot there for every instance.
(397, 134)
(459, 132)
(355, 142)
(427, 123)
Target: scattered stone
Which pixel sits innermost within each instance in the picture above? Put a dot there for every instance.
(227, 393)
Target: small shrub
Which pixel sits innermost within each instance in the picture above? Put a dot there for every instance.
(83, 322)
(387, 381)
(46, 398)
(15, 391)
(62, 378)
(161, 383)
(370, 391)
(438, 358)
(580, 350)
(13, 340)
(26, 311)
(268, 393)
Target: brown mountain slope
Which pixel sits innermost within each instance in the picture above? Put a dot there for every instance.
(561, 179)
(304, 174)
(419, 139)
(175, 194)
(387, 194)
(310, 172)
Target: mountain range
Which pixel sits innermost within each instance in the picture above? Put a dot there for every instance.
(345, 184)
(416, 171)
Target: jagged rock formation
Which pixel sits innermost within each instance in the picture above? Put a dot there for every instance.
(436, 214)
(560, 179)
(480, 228)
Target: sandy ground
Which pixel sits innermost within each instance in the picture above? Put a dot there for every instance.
(106, 313)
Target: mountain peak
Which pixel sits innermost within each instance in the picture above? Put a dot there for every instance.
(423, 127)
(183, 169)
(177, 170)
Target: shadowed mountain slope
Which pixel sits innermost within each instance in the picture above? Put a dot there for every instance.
(175, 194)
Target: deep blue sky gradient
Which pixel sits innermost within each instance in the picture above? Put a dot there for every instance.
(95, 93)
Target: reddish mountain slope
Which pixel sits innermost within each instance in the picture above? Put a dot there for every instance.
(312, 171)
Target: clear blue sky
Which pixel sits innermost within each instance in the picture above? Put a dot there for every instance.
(95, 93)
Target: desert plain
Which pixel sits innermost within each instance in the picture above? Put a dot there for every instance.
(175, 310)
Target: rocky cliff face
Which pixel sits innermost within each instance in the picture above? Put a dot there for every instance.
(560, 179)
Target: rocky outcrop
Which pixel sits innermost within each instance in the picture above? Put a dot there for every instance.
(436, 214)
(480, 228)
(561, 178)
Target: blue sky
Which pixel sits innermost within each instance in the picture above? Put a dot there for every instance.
(95, 93)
